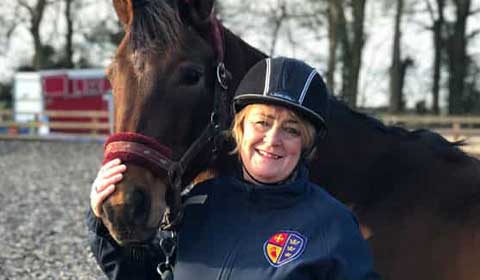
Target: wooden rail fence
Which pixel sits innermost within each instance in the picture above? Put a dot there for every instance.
(95, 123)
(453, 128)
(78, 122)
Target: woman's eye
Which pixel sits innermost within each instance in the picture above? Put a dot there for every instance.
(261, 125)
(292, 131)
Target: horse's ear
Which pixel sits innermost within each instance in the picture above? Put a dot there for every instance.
(198, 11)
(124, 10)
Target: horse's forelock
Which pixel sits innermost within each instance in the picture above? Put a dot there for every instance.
(155, 28)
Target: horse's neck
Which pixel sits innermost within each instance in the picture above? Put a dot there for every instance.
(345, 158)
(361, 157)
(362, 136)
(239, 57)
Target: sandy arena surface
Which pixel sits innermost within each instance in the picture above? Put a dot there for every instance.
(44, 189)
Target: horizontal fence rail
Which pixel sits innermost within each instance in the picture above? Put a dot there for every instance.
(453, 128)
(81, 122)
(56, 124)
(99, 123)
(458, 127)
(59, 113)
(430, 119)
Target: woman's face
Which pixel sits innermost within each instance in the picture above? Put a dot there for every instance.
(271, 144)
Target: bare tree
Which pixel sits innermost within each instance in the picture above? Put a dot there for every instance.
(333, 21)
(278, 16)
(68, 58)
(36, 12)
(72, 30)
(458, 61)
(438, 27)
(351, 37)
(290, 25)
(450, 40)
(397, 68)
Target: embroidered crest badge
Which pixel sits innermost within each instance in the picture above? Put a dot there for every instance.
(284, 247)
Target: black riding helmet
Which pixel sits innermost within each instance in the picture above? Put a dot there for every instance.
(287, 82)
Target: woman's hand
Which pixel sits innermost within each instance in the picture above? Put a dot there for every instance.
(104, 184)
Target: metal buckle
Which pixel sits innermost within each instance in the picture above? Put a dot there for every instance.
(214, 121)
(168, 244)
(222, 75)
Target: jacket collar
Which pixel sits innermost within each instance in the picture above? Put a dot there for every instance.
(274, 195)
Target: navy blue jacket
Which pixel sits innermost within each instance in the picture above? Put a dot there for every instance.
(235, 230)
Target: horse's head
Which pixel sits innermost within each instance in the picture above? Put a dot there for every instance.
(163, 78)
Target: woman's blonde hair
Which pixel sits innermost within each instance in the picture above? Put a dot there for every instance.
(308, 133)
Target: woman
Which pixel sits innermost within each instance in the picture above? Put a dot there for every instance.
(268, 221)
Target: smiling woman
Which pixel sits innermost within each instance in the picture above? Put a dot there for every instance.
(265, 219)
(281, 106)
(271, 142)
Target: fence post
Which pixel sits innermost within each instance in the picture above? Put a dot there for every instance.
(34, 124)
(456, 130)
(95, 125)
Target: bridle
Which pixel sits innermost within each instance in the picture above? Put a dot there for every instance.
(219, 121)
(147, 151)
(212, 133)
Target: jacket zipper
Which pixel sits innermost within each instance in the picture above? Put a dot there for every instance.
(227, 268)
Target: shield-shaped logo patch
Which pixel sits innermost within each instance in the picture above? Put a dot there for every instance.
(284, 247)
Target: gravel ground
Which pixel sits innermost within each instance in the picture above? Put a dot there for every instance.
(44, 188)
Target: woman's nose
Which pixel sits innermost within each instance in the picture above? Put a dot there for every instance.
(273, 135)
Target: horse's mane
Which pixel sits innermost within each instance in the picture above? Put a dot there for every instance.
(439, 145)
(155, 28)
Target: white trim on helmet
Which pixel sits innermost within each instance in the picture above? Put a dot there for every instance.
(267, 76)
(306, 86)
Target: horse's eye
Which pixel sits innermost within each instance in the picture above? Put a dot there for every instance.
(190, 77)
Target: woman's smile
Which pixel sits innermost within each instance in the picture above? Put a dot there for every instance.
(267, 155)
(271, 144)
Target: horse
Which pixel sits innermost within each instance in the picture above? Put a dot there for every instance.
(416, 195)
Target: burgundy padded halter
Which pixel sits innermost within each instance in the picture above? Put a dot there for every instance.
(138, 149)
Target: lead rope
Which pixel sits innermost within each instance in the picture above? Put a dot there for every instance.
(168, 244)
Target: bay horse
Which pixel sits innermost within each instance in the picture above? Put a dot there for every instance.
(417, 194)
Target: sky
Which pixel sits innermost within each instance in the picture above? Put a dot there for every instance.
(373, 87)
